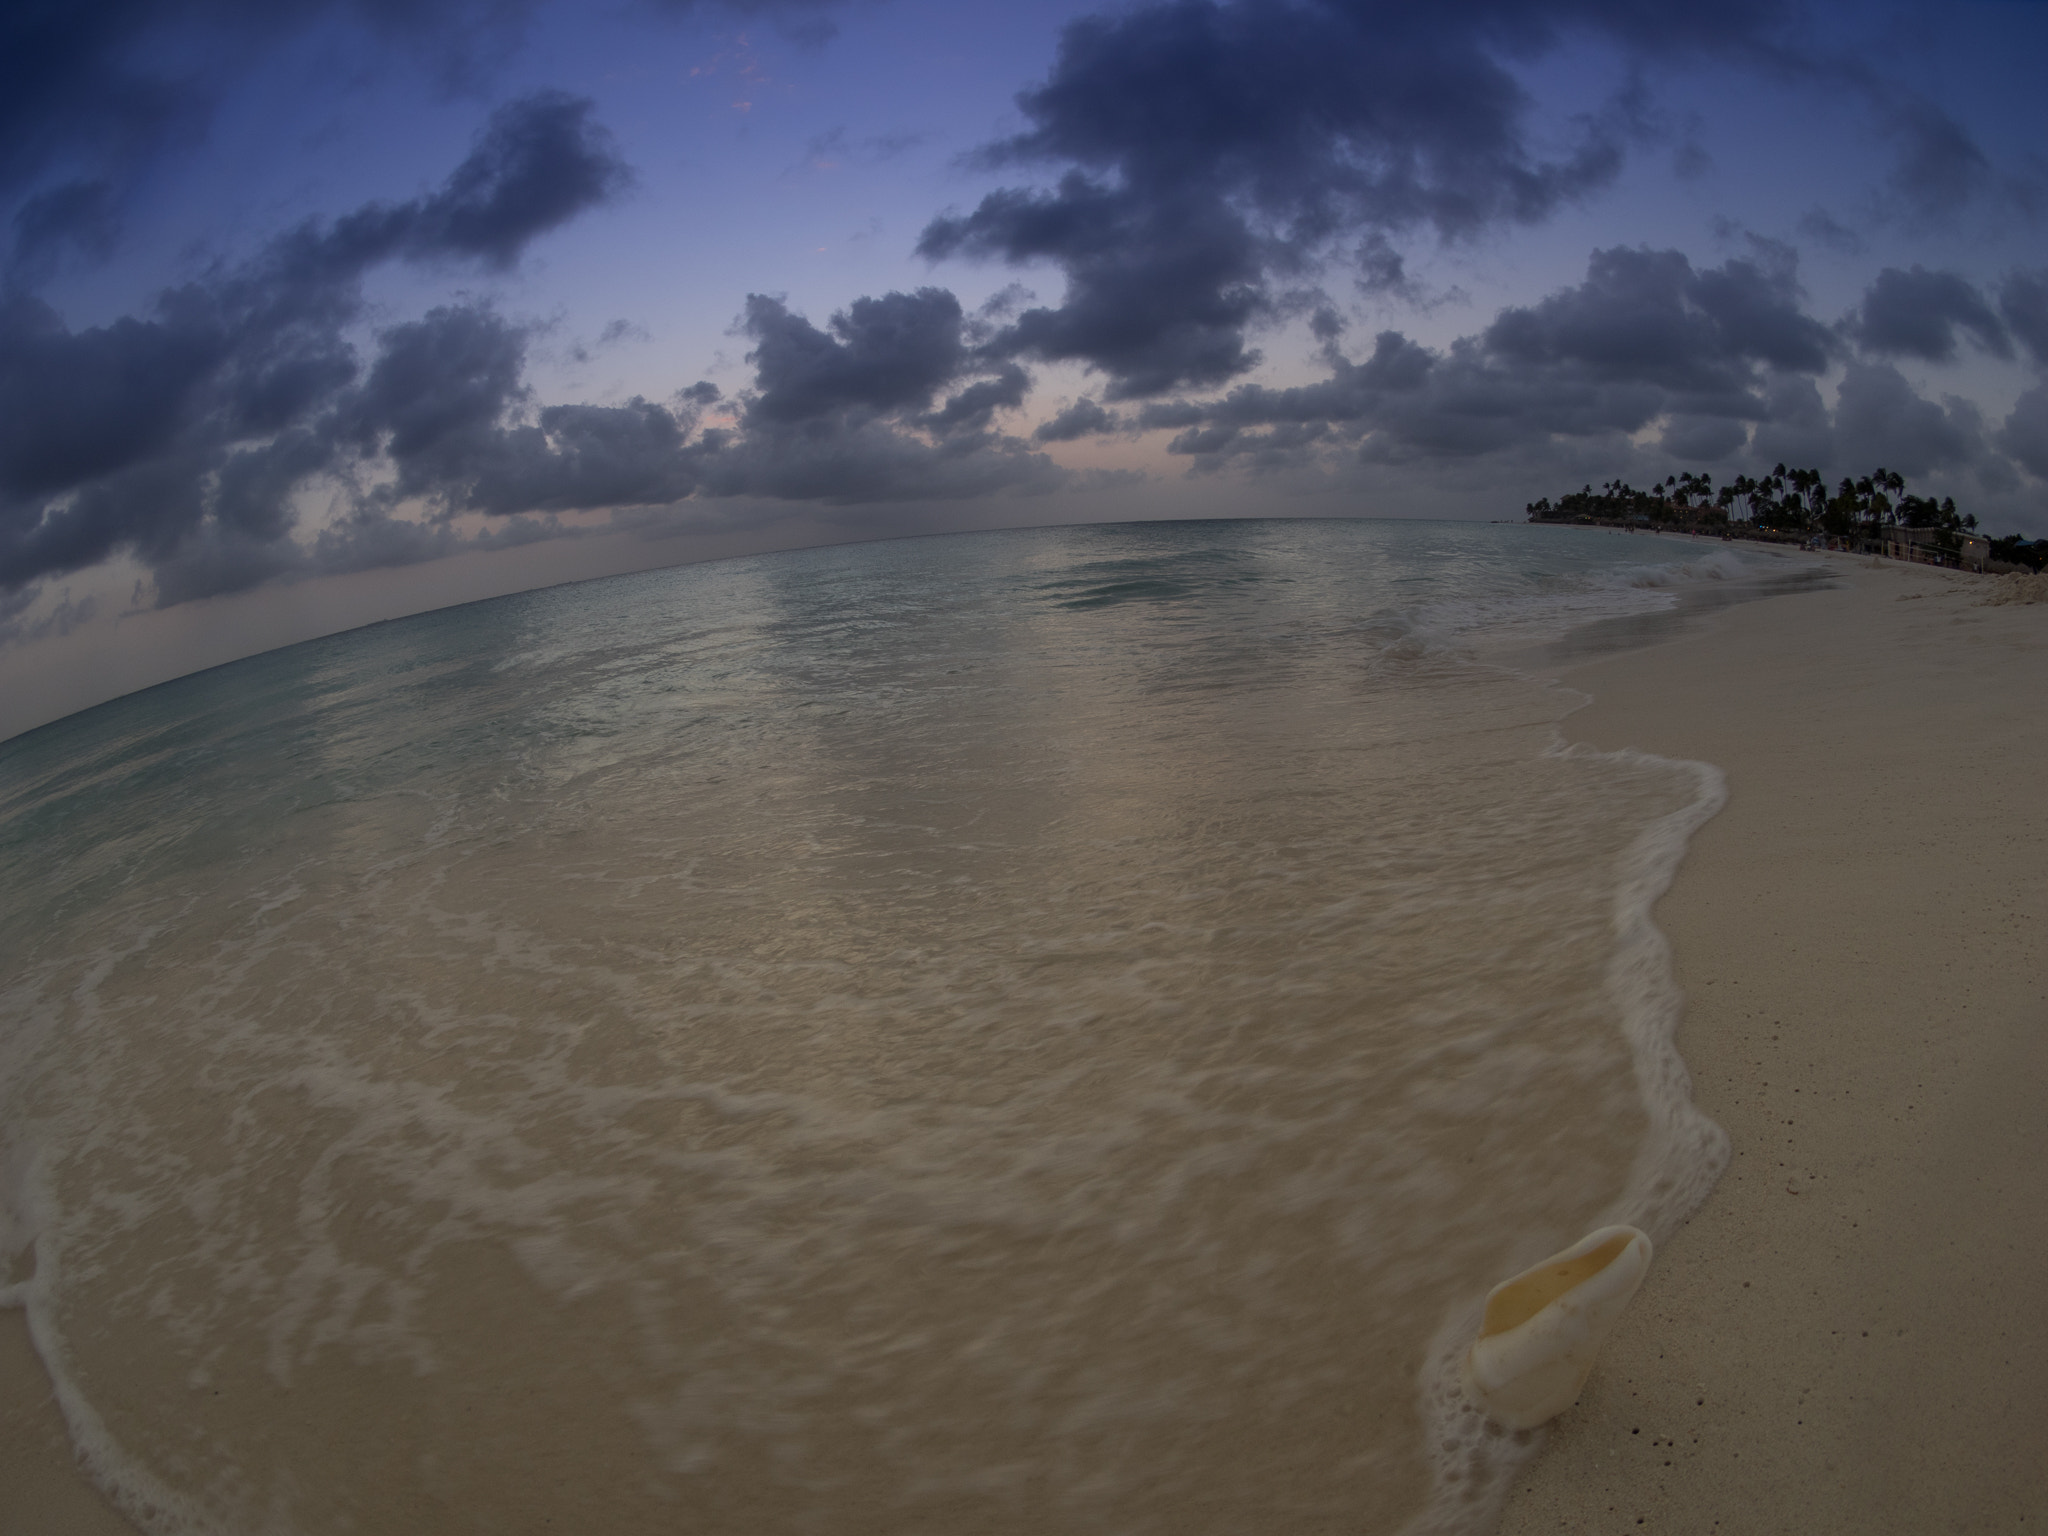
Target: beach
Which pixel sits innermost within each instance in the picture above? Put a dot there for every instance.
(1847, 1336)
(1840, 1338)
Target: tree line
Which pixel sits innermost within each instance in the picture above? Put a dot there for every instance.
(1788, 504)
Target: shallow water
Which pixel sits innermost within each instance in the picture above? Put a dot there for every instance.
(1038, 1031)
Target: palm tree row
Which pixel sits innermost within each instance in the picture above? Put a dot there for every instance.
(1789, 503)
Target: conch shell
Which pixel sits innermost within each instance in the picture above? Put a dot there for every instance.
(1544, 1327)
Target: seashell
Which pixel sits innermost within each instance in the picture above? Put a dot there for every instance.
(1544, 1327)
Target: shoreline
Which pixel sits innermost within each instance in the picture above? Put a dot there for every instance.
(1841, 1337)
(1874, 872)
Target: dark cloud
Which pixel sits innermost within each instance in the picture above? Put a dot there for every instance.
(886, 402)
(1383, 271)
(870, 463)
(1193, 170)
(843, 413)
(1210, 147)
(539, 163)
(1648, 317)
(183, 435)
(1159, 289)
(1796, 427)
(2025, 433)
(2023, 301)
(578, 457)
(877, 355)
(1646, 336)
(1881, 419)
(78, 405)
(253, 486)
(440, 381)
(1720, 363)
(569, 458)
(1917, 314)
(371, 539)
(1703, 439)
(1084, 418)
(435, 402)
(974, 408)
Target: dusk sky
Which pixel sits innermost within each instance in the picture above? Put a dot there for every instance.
(320, 313)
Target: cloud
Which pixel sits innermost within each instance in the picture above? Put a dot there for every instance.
(2025, 433)
(1084, 418)
(1880, 419)
(845, 413)
(1917, 314)
(1796, 427)
(1645, 336)
(434, 400)
(1648, 316)
(2023, 301)
(441, 407)
(1647, 363)
(96, 92)
(1940, 167)
(539, 163)
(77, 405)
(886, 402)
(1159, 290)
(60, 619)
(1824, 229)
(92, 96)
(1203, 149)
(877, 355)
(579, 457)
(834, 148)
(974, 408)
(1703, 439)
(184, 434)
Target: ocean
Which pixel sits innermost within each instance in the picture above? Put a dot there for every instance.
(1045, 1031)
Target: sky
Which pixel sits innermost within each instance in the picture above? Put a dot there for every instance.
(317, 312)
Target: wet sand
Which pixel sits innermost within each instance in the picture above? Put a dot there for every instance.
(42, 1491)
(1845, 1337)
(1848, 1336)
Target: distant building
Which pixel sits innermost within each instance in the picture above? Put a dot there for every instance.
(1937, 546)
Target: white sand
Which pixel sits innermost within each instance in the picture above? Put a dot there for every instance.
(1849, 1336)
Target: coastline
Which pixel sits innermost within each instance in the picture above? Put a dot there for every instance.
(1843, 1337)
(1872, 876)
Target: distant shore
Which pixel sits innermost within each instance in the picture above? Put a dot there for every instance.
(1848, 1336)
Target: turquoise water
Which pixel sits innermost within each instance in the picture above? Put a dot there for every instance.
(1023, 1031)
